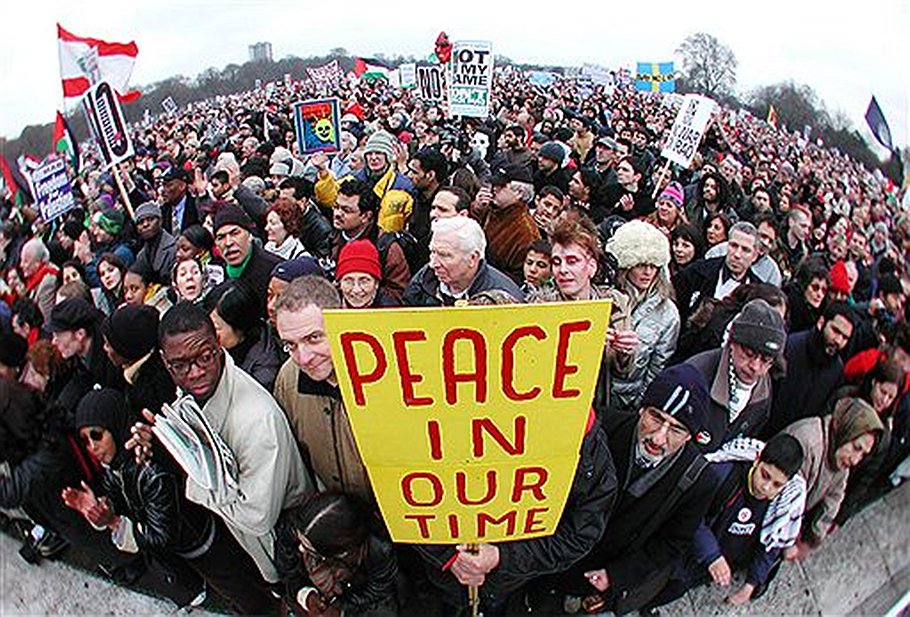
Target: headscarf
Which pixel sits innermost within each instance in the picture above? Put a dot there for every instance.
(852, 417)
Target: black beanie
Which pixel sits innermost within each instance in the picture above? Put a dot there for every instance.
(105, 408)
(231, 214)
(132, 331)
(13, 349)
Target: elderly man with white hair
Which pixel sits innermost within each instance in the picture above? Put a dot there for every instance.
(457, 269)
(40, 275)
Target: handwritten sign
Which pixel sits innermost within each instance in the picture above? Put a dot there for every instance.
(431, 81)
(469, 419)
(688, 129)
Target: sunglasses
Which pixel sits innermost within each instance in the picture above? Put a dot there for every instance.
(95, 434)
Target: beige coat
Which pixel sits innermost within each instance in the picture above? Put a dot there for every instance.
(272, 476)
(320, 424)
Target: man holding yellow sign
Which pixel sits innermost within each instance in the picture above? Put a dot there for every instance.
(470, 422)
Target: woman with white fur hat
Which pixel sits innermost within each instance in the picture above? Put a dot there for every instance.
(643, 253)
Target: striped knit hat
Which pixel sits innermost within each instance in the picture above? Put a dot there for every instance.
(682, 392)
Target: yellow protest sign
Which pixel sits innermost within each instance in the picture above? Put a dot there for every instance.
(469, 419)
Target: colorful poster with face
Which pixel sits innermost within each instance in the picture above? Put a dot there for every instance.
(318, 125)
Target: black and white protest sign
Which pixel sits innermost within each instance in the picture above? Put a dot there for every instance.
(102, 110)
(431, 81)
(688, 129)
(169, 105)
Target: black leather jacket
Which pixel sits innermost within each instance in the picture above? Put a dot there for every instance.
(316, 233)
(152, 498)
(371, 586)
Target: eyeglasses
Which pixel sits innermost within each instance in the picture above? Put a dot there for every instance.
(363, 283)
(750, 355)
(816, 286)
(202, 361)
(656, 421)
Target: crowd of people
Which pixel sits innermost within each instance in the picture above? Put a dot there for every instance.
(752, 390)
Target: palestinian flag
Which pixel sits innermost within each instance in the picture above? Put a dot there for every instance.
(370, 69)
(16, 185)
(65, 142)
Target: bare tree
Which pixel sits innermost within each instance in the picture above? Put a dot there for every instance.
(708, 64)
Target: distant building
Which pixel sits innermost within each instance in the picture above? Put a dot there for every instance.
(261, 51)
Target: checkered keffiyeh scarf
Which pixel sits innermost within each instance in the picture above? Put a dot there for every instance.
(784, 516)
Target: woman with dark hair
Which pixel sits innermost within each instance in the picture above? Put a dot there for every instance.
(111, 270)
(628, 198)
(710, 197)
(880, 388)
(237, 314)
(196, 241)
(707, 326)
(327, 556)
(806, 294)
(72, 270)
(585, 190)
(141, 285)
(283, 223)
(717, 228)
(193, 241)
(686, 246)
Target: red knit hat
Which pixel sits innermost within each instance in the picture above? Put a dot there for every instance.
(358, 256)
(840, 282)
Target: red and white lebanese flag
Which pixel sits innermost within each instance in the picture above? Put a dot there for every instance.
(84, 61)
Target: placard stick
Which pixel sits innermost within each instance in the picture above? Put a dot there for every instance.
(123, 193)
(474, 590)
(662, 171)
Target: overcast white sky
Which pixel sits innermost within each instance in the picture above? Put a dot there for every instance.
(846, 54)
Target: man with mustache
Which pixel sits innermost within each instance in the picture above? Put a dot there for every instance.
(245, 259)
(663, 496)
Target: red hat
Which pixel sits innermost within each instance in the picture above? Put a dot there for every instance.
(358, 256)
(840, 282)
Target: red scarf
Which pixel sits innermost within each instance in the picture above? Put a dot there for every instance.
(35, 279)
